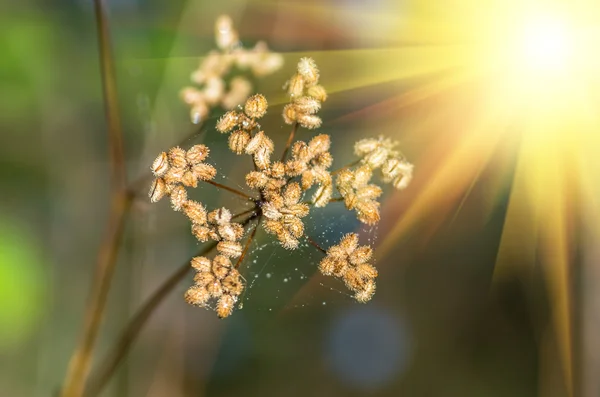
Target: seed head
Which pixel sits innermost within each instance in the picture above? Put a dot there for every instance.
(308, 70)
(318, 92)
(178, 197)
(238, 140)
(197, 296)
(158, 189)
(160, 164)
(228, 121)
(201, 264)
(256, 106)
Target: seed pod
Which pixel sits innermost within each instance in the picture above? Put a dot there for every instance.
(158, 189)
(295, 86)
(230, 249)
(225, 306)
(361, 255)
(160, 164)
(197, 153)
(256, 180)
(308, 70)
(202, 279)
(376, 158)
(178, 197)
(256, 106)
(318, 92)
(349, 242)
(233, 283)
(365, 146)
(174, 175)
(221, 266)
(366, 271)
(362, 175)
(238, 141)
(177, 157)
(368, 212)
(270, 211)
(289, 113)
(322, 195)
(309, 121)
(220, 216)
(353, 280)
(367, 292)
(189, 179)
(368, 192)
(294, 226)
(215, 289)
(227, 121)
(201, 263)
(195, 211)
(197, 296)
(204, 172)
(307, 104)
(291, 194)
(203, 233)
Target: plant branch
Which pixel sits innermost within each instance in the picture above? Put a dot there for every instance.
(120, 350)
(109, 365)
(80, 361)
(316, 245)
(232, 190)
(244, 213)
(352, 164)
(289, 141)
(247, 246)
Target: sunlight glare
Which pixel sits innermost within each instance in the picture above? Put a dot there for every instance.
(547, 44)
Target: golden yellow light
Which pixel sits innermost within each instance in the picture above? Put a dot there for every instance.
(547, 45)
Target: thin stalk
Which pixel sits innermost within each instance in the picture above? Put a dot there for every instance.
(247, 246)
(125, 341)
(243, 213)
(289, 141)
(352, 164)
(316, 245)
(109, 365)
(232, 190)
(80, 361)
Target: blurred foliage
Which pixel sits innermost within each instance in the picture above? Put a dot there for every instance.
(23, 288)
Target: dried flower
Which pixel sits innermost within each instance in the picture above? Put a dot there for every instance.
(348, 262)
(303, 106)
(216, 69)
(278, 186)
(215, 280)
(256, 106)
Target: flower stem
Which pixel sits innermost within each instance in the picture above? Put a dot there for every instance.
(247, 246)
(352, 164)
(121, 200)
(232, 190)
(316, 245)
(289, 141)
(109, 365)
(244, 213)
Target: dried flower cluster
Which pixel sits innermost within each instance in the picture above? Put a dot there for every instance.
(215, 280)
(306, 96)
(214, 76)
(348, 261)
(280, 187)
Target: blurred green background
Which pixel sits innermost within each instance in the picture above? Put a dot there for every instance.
(435, 326)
